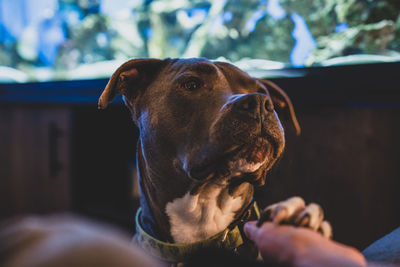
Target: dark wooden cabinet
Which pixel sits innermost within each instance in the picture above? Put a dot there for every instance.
(58, 158)
(34, 159)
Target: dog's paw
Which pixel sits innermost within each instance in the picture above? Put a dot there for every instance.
(294, 211)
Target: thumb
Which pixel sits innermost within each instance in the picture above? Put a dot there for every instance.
(251, 230)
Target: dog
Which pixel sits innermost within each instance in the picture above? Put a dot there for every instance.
(208, 134)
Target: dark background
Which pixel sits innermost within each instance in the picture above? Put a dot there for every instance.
(59, 153)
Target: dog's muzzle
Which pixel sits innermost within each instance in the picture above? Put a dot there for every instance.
(247, 137)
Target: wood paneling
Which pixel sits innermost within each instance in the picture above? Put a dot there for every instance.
(346, 159)
(34, 158)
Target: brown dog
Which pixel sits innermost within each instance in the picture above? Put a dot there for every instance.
(208, 134)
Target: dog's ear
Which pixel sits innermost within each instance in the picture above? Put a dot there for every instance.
(130, 79)
(282, 102)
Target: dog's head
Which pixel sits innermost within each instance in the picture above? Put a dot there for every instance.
(202, 120)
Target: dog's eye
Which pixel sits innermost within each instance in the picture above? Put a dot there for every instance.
(192, 84)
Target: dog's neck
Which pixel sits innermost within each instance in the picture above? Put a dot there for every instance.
(198, 216)
(177, 213)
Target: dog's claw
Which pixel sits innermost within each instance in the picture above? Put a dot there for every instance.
(282, 212)
(294, 211)
(311, 217)
(326, 229)
(302, 220)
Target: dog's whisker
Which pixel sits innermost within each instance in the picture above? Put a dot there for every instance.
(210, 176)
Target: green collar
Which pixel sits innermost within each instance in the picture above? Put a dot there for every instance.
(230, 238)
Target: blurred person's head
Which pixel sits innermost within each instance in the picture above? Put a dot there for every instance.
(65, 240)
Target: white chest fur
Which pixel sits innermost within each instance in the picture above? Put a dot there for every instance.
(197, 217)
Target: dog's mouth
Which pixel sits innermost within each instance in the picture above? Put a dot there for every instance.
(239, 160)
(251, 157)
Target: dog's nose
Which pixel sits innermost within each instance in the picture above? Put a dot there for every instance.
(253, 104)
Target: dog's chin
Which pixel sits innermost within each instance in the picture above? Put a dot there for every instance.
(241, 163)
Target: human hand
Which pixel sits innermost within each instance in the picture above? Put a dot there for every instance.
(298, 246)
